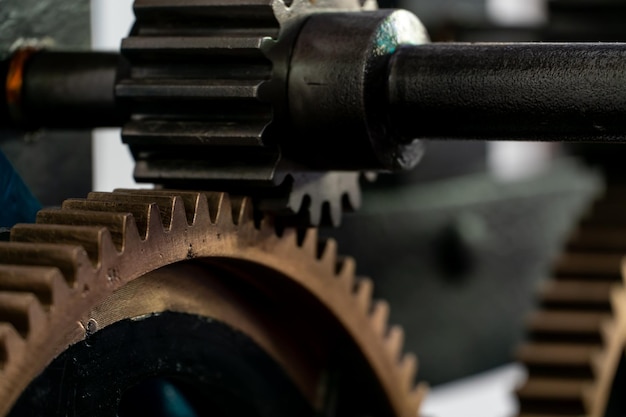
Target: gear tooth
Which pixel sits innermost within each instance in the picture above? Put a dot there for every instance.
(608, 329)
(327, 252)
(364, 289)
(345, 270)
(171, 207)
(154, 223)
(92, 239)
(67, 258)
(223, 209)
(11, 344)
(333, 212)
(23, 311)
(188, 198)
(140, 211)
(602, 266)
(200, 216)
(243, 212)
(598, 359)
(395, 342)
(380, 318)
(118, 224)
(408, 370)
(314, 213)
(46, 283)
(352, 199)
(178, 215)
(308, 241)
(418, 394)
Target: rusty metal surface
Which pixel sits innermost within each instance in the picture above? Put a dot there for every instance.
(576, 338)
(98, 260)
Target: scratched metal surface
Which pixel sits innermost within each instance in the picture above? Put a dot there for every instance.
(55, 165)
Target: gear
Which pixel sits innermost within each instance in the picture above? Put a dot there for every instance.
(200, 79)
(577, 338)
(126, 257)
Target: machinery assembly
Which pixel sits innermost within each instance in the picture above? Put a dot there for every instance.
(256, 121)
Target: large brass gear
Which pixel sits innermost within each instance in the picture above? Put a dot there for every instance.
(578, 336)
(123, 255)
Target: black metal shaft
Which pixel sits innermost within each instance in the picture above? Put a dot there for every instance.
(509, 91)
(557, 92)
(68, 89)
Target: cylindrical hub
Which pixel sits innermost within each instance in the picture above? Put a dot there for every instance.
(509, 91)
(337, 83)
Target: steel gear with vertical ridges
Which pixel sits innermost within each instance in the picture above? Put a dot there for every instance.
(200, 84)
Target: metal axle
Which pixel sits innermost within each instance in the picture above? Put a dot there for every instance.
(360, 91)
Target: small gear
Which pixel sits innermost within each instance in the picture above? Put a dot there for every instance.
(200, 78)
(577, 337)
(130, 258)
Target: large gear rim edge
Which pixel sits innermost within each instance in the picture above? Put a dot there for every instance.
(87, 262)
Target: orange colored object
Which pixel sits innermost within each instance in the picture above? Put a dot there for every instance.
(15, 80)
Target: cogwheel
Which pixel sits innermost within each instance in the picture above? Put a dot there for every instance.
(132, 264)
(577, 338)
(314, 198)
(200, 79)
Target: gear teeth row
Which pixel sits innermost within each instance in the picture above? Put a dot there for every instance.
(577, 337)
(321, 201)
(196, 71)
(55, 272)
(198, 87)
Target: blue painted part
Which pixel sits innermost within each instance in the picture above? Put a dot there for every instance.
(17, 203)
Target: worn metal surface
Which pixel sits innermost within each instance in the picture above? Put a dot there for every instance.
(92, 263)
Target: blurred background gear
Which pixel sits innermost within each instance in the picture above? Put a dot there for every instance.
(574, 352)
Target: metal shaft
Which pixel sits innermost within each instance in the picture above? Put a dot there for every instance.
(551, 92)
(62, 89)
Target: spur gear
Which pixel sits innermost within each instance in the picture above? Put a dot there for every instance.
(578, 336)
(199, 84)
(141, 264)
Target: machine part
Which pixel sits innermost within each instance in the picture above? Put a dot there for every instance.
(578, 336)
(65, 83)
(314, 198)
(220, 95)
(206, 94)
(131, 258)
(342, 75)
(525, 91)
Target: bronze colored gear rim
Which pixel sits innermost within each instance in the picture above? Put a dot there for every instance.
(58, 272)
(577, 337)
